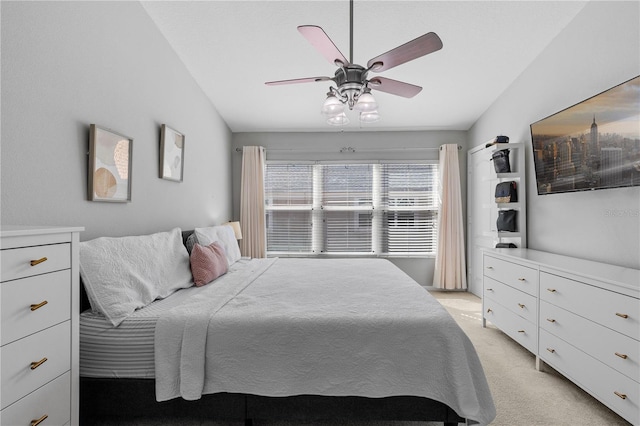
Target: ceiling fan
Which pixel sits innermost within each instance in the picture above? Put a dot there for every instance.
(353, 85)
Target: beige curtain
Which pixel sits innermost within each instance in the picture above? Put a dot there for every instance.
(252, 220)
(450, 268)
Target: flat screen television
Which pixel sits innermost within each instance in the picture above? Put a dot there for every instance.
(594, 144)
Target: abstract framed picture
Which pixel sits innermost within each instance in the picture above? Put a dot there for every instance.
(594, 144)
(171, 154)
(110, 159)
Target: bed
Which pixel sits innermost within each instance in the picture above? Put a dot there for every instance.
(291, 339)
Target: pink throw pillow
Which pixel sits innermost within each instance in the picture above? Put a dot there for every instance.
(207, 263)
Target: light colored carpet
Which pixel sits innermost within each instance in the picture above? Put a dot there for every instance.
(522, 395)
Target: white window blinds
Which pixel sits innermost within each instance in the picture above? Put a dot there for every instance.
(379, 209)
(288, 207)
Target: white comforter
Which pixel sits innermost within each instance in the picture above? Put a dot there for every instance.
(281, 327)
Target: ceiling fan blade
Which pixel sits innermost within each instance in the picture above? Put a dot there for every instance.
(298, 80)
(321, 41)
(423, 45)
(394, 87)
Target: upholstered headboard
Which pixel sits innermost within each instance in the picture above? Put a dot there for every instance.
(84, 299)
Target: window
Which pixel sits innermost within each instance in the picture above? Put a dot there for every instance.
(377, 209)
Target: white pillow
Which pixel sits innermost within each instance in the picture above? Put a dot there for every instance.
(222, 234)
(127, 273)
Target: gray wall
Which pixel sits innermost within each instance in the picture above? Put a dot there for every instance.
(367, 146)
(68, 64)
(599, 49)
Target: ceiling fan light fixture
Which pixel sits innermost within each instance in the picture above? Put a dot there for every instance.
(369, 116)
(332, 105)
(338, 119)
(366, 102)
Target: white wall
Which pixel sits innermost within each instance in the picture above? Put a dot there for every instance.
(66, 65)
(367, 146)
(599, 49)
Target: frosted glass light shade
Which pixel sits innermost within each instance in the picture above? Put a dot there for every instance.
(369, 117)
(332, 106)
(366, 102)
(338, 120)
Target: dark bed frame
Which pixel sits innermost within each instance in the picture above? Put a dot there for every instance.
(131, 399)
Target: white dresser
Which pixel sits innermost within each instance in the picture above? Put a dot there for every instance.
(580, 317)
(39, 311)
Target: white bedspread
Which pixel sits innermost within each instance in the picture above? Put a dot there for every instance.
(281, 327)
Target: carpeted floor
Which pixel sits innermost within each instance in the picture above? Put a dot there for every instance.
(523, 396)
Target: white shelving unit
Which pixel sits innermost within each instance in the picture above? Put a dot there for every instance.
(482, 210)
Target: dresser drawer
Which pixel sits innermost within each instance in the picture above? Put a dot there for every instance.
(52, 400)
(514, 326)
(18, 320)
(516, 301)
(601, 381)
(613, 310)
(17, 263)
(517, 276)
(52, 345)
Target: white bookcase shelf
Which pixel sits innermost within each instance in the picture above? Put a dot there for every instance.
(482, 210)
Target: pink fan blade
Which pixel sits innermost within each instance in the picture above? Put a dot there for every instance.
(297, 80)
(423, 45)
(321, 41)
(394, 87)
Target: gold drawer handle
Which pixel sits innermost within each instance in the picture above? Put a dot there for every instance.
(489, 289)
(38, 261)
(623, 356)
(489, 310)
(37, 364)
(521, 305)
(620, 395)
(551, 320)
(38, 421)
(551, 290)
(521, 279)
(39, 305)
(489, 267)
(551, 350)
(521, 331)
(622, 315)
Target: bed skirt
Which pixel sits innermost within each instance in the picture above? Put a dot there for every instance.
(130, 399)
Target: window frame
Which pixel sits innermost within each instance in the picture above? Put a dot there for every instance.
(376, 211)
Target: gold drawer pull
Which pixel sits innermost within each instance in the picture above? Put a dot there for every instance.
(39, 305)
(551, 290)
(623, 356)
(521, 279)
(489, 289)
(551, 320)
(622, 315)
(38, 421)
(489, 267)
(621, 395)
(38, 261)
(551, 350)
(521, 331)
(521, 305)
(489, 310)
(37, 364)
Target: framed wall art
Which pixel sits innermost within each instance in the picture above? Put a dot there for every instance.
(110, 155)
(171, 154)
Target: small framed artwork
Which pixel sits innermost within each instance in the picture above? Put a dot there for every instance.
(171, 154)
(110, 155)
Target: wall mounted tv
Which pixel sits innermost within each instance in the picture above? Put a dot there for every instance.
(592, 145)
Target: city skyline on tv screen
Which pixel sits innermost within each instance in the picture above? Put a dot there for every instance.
(594, 144)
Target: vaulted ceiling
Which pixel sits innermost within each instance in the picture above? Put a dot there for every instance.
(233, 47)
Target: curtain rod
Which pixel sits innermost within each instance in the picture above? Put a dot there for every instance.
(350, 150)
